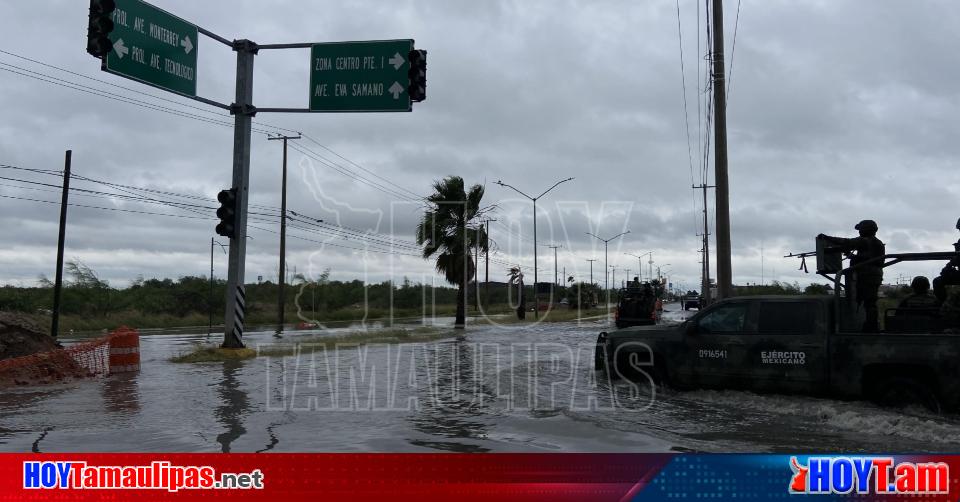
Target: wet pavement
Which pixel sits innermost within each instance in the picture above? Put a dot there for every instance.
(495, 388)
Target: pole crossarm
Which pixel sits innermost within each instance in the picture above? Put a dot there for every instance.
(610, 239)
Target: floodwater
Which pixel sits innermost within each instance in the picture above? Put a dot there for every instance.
(496, 388)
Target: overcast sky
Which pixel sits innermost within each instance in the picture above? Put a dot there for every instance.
(838, 111)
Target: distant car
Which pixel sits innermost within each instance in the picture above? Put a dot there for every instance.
(690, 300)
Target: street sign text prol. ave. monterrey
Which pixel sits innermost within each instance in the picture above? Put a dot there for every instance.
(154, 47)
(366, 76)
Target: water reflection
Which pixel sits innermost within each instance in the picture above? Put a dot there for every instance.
(234, 403)
(121, 393)
(451, 406)
(35, 448)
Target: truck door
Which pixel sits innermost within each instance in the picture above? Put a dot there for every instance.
(715, 344)
(788, 352)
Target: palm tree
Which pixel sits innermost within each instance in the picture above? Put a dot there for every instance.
(450, 230)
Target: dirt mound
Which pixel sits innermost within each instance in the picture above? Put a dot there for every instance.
(20, 336)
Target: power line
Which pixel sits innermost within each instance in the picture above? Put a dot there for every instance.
(109, 208)
(686, 113)
(733, 51)
(414, 194)
(388, 187)
(111, 95)
(317, 157)
(154, 96)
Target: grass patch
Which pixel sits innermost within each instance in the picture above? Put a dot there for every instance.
(554, 315)
(214, 354)
(310, 344)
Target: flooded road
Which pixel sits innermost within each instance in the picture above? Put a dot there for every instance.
(497, 388)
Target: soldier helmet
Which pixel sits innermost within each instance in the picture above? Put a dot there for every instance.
(920, 284)
(867, 225)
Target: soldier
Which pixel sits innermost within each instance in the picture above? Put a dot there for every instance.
(947, 290)
(867, 278)
(950, 275)
(921, 297)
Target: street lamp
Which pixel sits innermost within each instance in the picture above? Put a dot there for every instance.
(659, 276)
(606, 242)
(639, 258)
(650, 263)
(536, 296)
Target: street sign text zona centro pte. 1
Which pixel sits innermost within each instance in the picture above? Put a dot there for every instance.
(154, 47)
(366, 76)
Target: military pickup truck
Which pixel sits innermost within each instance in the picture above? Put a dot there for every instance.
(791, 344)
(636, 306)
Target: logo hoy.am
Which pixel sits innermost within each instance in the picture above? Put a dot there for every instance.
(879, 475)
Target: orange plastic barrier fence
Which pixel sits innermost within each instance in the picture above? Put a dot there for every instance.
(117, 352)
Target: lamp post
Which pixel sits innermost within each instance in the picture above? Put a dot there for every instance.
(606, 266)
(659, 276)
(639, 258)
(536, 296)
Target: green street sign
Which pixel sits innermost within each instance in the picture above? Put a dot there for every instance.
(154, 47)
(360, 76)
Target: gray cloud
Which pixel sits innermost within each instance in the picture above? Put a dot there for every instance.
(839, 111)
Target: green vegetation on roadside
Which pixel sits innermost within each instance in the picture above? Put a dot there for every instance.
(309, 344)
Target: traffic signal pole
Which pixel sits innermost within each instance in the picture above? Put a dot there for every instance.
(234, 202)
(243, 111)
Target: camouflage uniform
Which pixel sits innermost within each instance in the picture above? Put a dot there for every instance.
(921, 297)
(947, 289)
(868, 277)
(950, 310)
(919, 301)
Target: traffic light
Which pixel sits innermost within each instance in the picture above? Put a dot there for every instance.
(100, 26)
(418, 75)
(227, 213)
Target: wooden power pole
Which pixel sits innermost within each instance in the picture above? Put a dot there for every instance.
(281, 299)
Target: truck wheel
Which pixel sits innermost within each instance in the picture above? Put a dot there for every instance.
(600, 353)
(900, 392)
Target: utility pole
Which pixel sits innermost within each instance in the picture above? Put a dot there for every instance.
(58, 281)
(762, 281)
(281, 299)
(210, 299)
(536, 294)
(556, 278)
(486, 282)
(705, 283)
(627, 271)
(724, 272)
(614, 278)
(591, 268)
(476, 274)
